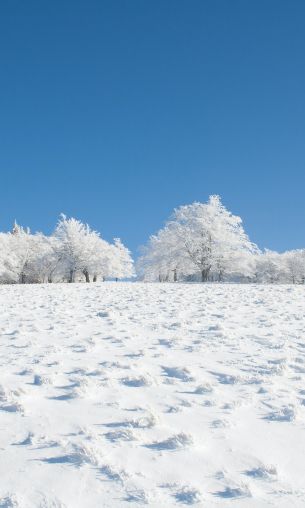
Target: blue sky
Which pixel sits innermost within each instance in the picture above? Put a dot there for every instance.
(117, 111)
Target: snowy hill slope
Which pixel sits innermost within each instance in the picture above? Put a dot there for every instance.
(118, 395)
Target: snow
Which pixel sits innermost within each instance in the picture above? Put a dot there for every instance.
(131, 394)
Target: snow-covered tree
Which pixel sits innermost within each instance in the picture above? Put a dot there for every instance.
(271, 268)
(201, 238)
(22, 249)
(163, 258)
(295, 263)
(7, 261)
(47, 262)
(121, 262)
(200, 241)
(73, 252)
(79, 249)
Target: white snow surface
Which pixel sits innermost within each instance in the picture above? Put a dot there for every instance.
(131, 394)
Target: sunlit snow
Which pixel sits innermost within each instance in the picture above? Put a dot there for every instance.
(133, 394)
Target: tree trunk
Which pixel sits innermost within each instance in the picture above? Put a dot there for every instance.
(50, 280)
(175, 275)
(94, 278)
(71, 277)
(204, 274)
(87, 276)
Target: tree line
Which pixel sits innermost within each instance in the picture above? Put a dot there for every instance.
(73, 253)
(199, 242)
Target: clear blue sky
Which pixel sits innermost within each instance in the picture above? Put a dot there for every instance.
(117, 111)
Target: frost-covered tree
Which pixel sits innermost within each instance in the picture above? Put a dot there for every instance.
(274, 267)
(73, 252)
(295, 263)
(79, 248)
(201, 238)
(271, 268)
(201, 241)
(7, 261)
(211, 236)
(121, 262)
(163, 258)
(47, 265)
(100, 261)
(82, 252)
(22, 249)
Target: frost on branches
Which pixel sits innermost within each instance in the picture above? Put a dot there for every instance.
(74, 253)
(199, 242)
(206, 242)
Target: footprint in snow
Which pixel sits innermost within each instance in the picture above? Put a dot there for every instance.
(209, 403)
(9, 501)
(25, 372)
(95, 373)
(144, 422)
(11, 407)
(188, 495)
(27, 441)
(203, 388)
(284, 414)
(40, 380)
(134, 355)
(181, 373)
(173, 409)
(66, 396)
(137, 496)
(77, 348)
(185, 494)
(51, 503)
(226, 379)
(120, 435)
(136, 382)
(220, 424)
(167, 343)
(298, 369)
(263, 473)
(103, 314)
(112, 475)
(234, 492)
(176, 442)
(77, 456)
(8, 401)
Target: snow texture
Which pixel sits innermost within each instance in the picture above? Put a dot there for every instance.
(132, 394)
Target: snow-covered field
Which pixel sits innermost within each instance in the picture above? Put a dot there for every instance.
(119, 395)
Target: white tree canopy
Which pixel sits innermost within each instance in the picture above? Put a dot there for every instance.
(201, 238)
(199, 242)
(73, 253)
